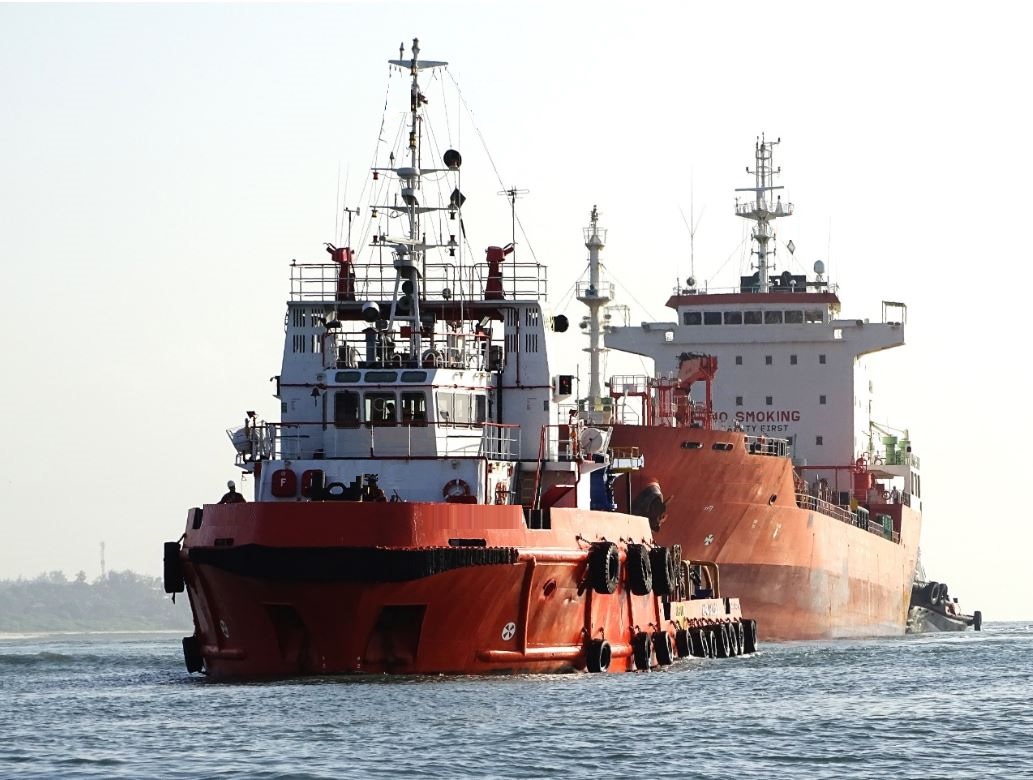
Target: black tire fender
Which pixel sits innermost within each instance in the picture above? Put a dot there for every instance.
(664, 569)
(598, 655)
(683, 642)
(723, 646)
(642, 650)
(604, 567)
(640, 574)
(662, 648)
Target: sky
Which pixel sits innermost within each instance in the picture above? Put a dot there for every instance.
(160, 165)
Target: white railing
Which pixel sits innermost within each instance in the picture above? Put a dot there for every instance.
(320, 282)
(303, 441)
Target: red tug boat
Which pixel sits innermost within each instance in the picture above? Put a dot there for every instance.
(423, 506)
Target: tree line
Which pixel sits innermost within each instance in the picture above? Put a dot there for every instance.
(118, 601)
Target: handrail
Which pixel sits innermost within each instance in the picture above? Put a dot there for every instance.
(318, 282)
(859, 520)
(434, 439)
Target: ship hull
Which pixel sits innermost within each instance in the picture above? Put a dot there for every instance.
(283, 589)
(800, 573)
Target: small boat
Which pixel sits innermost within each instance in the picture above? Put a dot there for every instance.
(416, 509)
(933, 609)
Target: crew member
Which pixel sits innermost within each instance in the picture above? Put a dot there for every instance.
(232, 496)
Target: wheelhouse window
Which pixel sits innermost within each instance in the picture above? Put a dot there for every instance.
(346, 408)
(733, 318)
(692, 318)
(380, 409)
(414, 409)
(711, 318)
(813, 315)
(794, 317)
(752, 317)
(772, 318)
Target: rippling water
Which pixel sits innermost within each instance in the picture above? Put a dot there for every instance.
(950, 706)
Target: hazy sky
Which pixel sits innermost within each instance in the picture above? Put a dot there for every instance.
(161, 165)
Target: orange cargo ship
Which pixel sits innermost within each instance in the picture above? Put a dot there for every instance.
(416, 508)
(778, 472)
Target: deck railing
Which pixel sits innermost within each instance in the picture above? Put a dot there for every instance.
(301, 441)
(859, 519)
(320, 282)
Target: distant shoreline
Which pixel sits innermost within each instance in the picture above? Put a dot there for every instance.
(119, 602)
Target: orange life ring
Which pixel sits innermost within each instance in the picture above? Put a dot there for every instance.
(455, 488)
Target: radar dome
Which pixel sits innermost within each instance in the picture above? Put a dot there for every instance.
(819, 267)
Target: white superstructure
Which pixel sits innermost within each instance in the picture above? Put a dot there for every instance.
(790, 367)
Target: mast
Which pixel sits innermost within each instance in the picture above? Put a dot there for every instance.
(410, 251)
(595, 295)
(761, 210)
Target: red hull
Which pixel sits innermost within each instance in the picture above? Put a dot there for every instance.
(270, 598)
(801, 574)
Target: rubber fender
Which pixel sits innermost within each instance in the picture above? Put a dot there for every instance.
(604, 567)
(665, 570)
(723, 647)
(598, 655)
(192, 654)
(662, 648)
(683, 642)
(173, 568)
(640, 574)
(749, 636)
(642, 650)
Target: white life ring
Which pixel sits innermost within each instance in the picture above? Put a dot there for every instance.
(455, 488)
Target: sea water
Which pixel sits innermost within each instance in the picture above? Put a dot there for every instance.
(934, 706)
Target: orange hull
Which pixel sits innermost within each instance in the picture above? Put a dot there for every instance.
(338, 587)
(800, 573)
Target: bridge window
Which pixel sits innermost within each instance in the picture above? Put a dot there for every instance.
(346, 408)
(414, 408)
(453, 407)
(380, 409)
(813, 315)
(794, 317)
(733, 318)
(692, 318)
(752, 317)
(711, 318)
(347, 376)
(414, 376)
(381, 376)
(772, 318)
